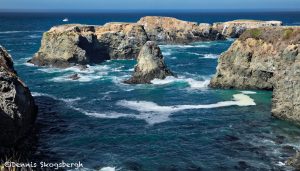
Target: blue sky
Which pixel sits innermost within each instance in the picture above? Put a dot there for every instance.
(149, 4)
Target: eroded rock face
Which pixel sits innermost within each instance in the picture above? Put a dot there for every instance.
(150, 65)
(235, 28)
(73, 44)
(173, 31)
(17, 107)
(265, 58)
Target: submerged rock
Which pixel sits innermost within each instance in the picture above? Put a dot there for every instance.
(294, 161)
(17, 108)
(174, 31)
(266, 58)
(235, 28)
(150, 65)
(68, 45)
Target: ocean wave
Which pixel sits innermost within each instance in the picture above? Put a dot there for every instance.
(66, 100)
(153, 113)
(12, 32)
(195, 84)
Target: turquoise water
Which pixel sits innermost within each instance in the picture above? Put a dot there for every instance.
(102, 122)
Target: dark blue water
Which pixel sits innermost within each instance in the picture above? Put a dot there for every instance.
(175, 124)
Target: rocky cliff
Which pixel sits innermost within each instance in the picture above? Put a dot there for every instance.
(173, 31)
(73, 44)
(265, 58)
(17, 108)
(150, 65)
(235, 28)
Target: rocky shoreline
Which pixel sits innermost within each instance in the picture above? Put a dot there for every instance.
(75, 44)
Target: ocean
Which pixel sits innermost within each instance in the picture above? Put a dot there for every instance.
(173, 124)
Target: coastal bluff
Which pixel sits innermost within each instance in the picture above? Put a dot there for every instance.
(17, 107)
(76, 44)
(269, 59)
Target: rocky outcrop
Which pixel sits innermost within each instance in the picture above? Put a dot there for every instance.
(150, 65)
(74, 44)
(265, 58)
(17, 107)
(173, 31)
(294, 161)
(234, 29)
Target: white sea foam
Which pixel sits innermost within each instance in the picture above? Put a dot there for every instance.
(248, 92)
(195, 84)
(166, 53)
(35, 36)
(280, 163)
(82, 78)
(194, 53)
(185, 46)
(211, 56)
(108, 169)
(153, 113)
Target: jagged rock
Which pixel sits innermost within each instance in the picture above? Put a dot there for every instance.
(174, 31)
(17, 108)
(74, 77)
(68, 45)
(265, 58)
(150, 65)
(235, 28)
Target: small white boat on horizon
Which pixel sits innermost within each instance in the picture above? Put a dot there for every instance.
(65, 20)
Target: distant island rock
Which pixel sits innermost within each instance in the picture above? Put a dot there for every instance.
(265, 58)
(150, 65)
(233, 29)
(17, 107)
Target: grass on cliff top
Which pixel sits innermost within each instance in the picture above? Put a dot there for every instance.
(255, 33)
(288, 33)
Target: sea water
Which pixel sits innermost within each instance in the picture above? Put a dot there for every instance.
(173, 124)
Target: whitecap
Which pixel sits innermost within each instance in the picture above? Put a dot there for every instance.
(248, 92)
(194, 53)
(195, 84)
(153, 113)
(211, 56)
(280, 163)
(185, 46)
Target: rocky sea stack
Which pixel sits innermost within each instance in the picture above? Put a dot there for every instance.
(266, 58)
(150, 65)
(73, 44)
(17, 108)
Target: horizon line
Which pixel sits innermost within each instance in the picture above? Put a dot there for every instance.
(149, 10)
